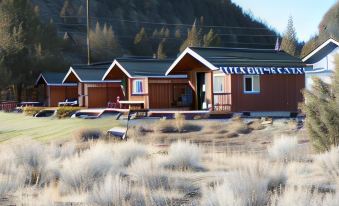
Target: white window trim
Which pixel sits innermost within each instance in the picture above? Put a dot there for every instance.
(134, 84)
(244, 84)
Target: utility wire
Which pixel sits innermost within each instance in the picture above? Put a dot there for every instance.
(166, 24)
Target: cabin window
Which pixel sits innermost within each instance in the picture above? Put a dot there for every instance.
(218, 84)
(252, 84)
(138, 87)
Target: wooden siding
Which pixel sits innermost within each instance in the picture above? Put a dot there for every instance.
(71, 78)
(58, 94)
(81, 94)
(138, 97)
(160, 95)
(277, 93)
(97, 95)
(115, 74)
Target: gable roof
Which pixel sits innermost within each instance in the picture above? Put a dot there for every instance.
(88, 73)
(321, 51)
(214, 58)
(141, 67)
(52, 78)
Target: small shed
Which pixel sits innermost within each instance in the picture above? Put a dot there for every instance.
(52, 90)
(93, 92)
(144, 80)
(241, 79)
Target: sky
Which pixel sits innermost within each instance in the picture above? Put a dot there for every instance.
(306, 14)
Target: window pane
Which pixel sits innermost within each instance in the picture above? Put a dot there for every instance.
(218, 84)
(137, 86)
(248, 84)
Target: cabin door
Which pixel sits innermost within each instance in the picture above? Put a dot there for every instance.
(201, 90)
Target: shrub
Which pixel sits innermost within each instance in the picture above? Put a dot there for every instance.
(64, 112)
(246, 185)
(327, 166)
(61, 151)
(10, 183)
(256, 125)
(238, 125)
(148, 173)
(303, 197)
(165, 126)
(112, 191)
(179, 120)
(81, 172)
(125, 153)
(31, 111)
(31, 157)
(322, 113)
(183, 156)
(284, 148)
(84, 135)
(239, 188)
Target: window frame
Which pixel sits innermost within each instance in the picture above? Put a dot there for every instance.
(253, 84)
(223, 86)
(134, 92)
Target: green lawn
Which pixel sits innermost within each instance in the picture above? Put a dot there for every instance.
(46, 129)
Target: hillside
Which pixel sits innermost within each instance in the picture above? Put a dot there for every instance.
(328, 27)
(162, 20)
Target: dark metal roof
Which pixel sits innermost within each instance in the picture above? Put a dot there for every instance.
(90, 72)
(51, 77)
(247, 57)
(145, 67)
(321, 53)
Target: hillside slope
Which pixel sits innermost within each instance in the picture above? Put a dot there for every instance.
(330, 23)
(127, 17)
(328, 27)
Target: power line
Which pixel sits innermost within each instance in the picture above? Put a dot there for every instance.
(168, 24)
(219, 34)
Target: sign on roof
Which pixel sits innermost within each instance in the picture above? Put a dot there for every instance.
(262, 70)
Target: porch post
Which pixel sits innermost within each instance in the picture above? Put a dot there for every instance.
(212, 91)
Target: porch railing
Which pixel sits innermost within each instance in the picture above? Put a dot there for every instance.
(222, 101)
(7, 106)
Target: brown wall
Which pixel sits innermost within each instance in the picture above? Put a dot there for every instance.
(97, 95)
(58, 94)
(163, 93)
(277, 93)
(138, 97)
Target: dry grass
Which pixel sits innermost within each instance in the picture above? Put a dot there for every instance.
(131, 173)
(140, 172)
(168, 131)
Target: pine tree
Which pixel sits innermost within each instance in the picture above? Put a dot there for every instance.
(177, 33)
(105, 44)
(113, 43)
(142, 45)
(322, 112)
(155, 33)
(167, 33)
(81, 13)
(289, 41)
(211, 40)
(68, 12)
(26, 45)
(193, 37)
(161, 54)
